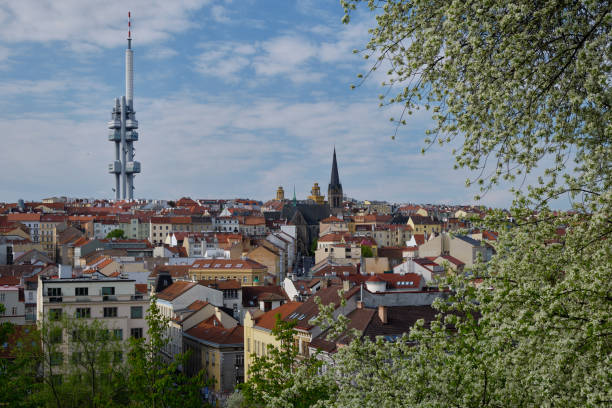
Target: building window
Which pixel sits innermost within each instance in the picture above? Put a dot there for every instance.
(14, 311)
(239, 360)
(117, 357)
(110, 290)
(110, 312)
(118, 334)
(55, 335)
(136, 312)
(54, 291)
(81, 291)
(56, 358)
(76, 357)
(83, 312)
(55, 314)
(136, 332)
(2, 297)
(245, 279)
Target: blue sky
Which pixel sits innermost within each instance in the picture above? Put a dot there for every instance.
(234, 98)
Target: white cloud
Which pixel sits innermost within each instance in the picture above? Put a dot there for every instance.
(158, 53)
(5, 53)
(91, 24)
(298, 55)
(219, 14)
(224, 60)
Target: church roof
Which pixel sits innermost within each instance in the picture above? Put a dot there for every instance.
(334, 181)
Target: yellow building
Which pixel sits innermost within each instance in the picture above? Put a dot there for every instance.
(424, 225)
(258, 331)
(159, 229)
(280, 194)
(422, 212)
(315, 194)
(217, 350)
(48, 232)
(248, 272)
(258, 327)
(270, 257)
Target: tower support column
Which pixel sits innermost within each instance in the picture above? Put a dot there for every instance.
(123, 150)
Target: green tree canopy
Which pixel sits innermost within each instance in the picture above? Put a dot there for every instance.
(366, 251)
(512, 82)
(516, 85)
(116, 233)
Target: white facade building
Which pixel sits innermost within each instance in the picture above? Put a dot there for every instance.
(11, 297)
(113, 301)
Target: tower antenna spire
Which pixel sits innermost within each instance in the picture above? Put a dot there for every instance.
(129, 29)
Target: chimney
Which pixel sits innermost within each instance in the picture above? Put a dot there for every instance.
(346, 285)
(382, 314)
(324, 283)
(359, 304)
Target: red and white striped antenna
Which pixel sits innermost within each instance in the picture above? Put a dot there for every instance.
(129, 25)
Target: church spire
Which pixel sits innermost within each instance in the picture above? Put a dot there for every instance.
(334, 191)
(335, 178)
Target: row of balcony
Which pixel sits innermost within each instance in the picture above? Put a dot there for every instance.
(86, 299)
(114, 135)
(129, 124)
(130, 167)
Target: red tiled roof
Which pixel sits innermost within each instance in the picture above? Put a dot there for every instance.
(333, 237)
(141, 288)
(197, 305)
(24, 217)
(419, 239)
(217, 334)
(310, 309)
(221, 284)
(453, 260)
(268, 319)
(9, 280)
(226, 264)
(175, 290)
(176, 271)
(331, 219)
(254, 220)
(251, 294)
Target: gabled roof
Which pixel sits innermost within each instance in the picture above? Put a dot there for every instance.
(227, 264)
(221, 284)
(453, 260)
(268, 319)
(175, 290)
(310, 309)
(197, 305)
(399, 321)
(176, 271)
(359, 319)
(32, 255)
(217, 334)
(468, 240)
(251, 294)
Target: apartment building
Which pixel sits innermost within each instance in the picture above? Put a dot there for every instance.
(248, 272)
(115, 302)
(30, 220)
